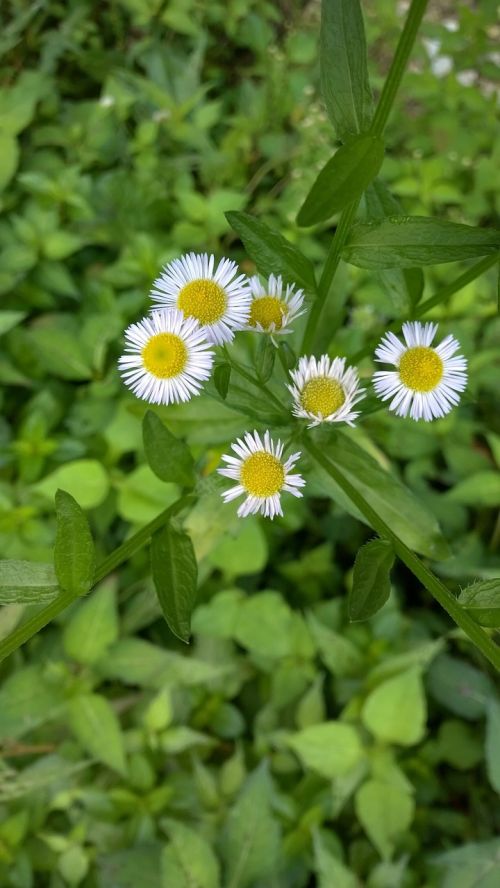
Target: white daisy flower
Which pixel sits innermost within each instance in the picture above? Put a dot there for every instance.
(219, 300)
(324, 390)
(427, 380)
(272, 310)
(167, 357)
(261, 474)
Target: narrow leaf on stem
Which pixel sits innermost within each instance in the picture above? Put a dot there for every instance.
(371, 584)
(168, 456)
(175, 574)
(74, 553)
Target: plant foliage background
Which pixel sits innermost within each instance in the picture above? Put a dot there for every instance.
(126, 131)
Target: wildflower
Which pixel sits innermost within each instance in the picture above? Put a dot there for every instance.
(167, 357)
(218, 300)
(271, 310)
(325, 390)
(427, 380)
(261, 474)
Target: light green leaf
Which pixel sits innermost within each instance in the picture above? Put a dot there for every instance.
(371, 585)
(482, 600)
(74, 553)
(137, 662)
(395, 712)
(331, 748)
(135, 867)
(271, 252)
(84, 479)
(244, 552)
(264, 358)
(480, 489)
(219, 616)
(338, 653)
(188, 860)
(330, 871)
(27, 699)
(175, 575)
(263, 625)
(27, 582)
(141, 498)
(405, 241)
(343, 179)
(471, 865)
(169, 458)
(492, 747)
(385, 811)
(10, 319)
(95, 725)
(344, 69)
(59, 350)
(93, 626)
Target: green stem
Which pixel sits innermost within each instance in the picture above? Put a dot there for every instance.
(246, 374)
(26, 631)
(382, 111)
(437, 589)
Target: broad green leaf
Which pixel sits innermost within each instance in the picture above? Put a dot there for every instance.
(95, 725)
(141, 498)
(134, 867)
(344, 69)
(9, 158)
(84, 479)
(331, 749)
(74, 553)
(479, 489)
(27, 699)
(263, 625)
(222, 375)
(330, 871)
(405, 241)
(58, 349)
(18, 100)
(169, 457)
(188, 860)
(371, 585)
(175, 575)
(10, 319)
(385, 811)
(395, 712)
(264, 358)
(251, 840)
(492, 747)
(219, 616)
(338, 653)
(343, 179)
(244, 552)
(271, 252)
(93, 626)
(471, 865)
(482, 600)
(73, 864)
(459, 687)
(459, 744)
(27, 582)
(137, 662)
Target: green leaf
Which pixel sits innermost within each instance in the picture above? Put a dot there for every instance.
(188, 860)
(9, 158)
(95, 725)
(482, 600)
(169, 458)
(492, 747)
(459, 687)
(331, 749)
(135, 867)
(10, 319)
(244, 552)
(222, 376)
(395, 712)
(27, 582)
(74, 553)
(93, 626)
(371, 585)
(405, 241)
(329, 869)
(175, 574)
(385, 810)
(473, 865)
(27, 699)
(343, 179)
(264, 624)
(271, 252)
(251, 841)
(85, 479)
(264, 358)
(344, 69)
(479, 489)
(338, 653)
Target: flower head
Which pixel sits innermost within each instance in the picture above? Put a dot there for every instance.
(167, 357)
(273, 308)
(219, 300)
(261, 474)
(427, 380)
(325, 390)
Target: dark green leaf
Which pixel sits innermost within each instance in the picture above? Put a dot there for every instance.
(343, 179)
(27, 582)
(271, 252)
(344, 69)
(93, 625)
(459, 687)
(371, 584)
(222, 375)
(175, 574)
(74, 554)
(405, 241)
(482, 600)
(492, 746)
(169, 458)
(264, 358)
(288, 355)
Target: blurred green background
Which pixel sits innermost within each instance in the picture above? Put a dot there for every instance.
(126, 130)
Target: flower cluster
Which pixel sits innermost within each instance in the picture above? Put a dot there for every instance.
(196, 307)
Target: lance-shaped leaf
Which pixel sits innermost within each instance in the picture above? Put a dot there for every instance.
(264, 358)
(482, 600)
(175, 574)
(271, 252)
(343, 179)
(371, 584)
(168, 456)
(27, 582)
(74, 553)
(222, 376)
(405, 241)
(344, 69)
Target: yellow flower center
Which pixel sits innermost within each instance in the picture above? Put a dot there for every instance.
(204, 300)
(262, 474)
(267, 310)
(322, 396)
(165, 355)
(420, 368)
